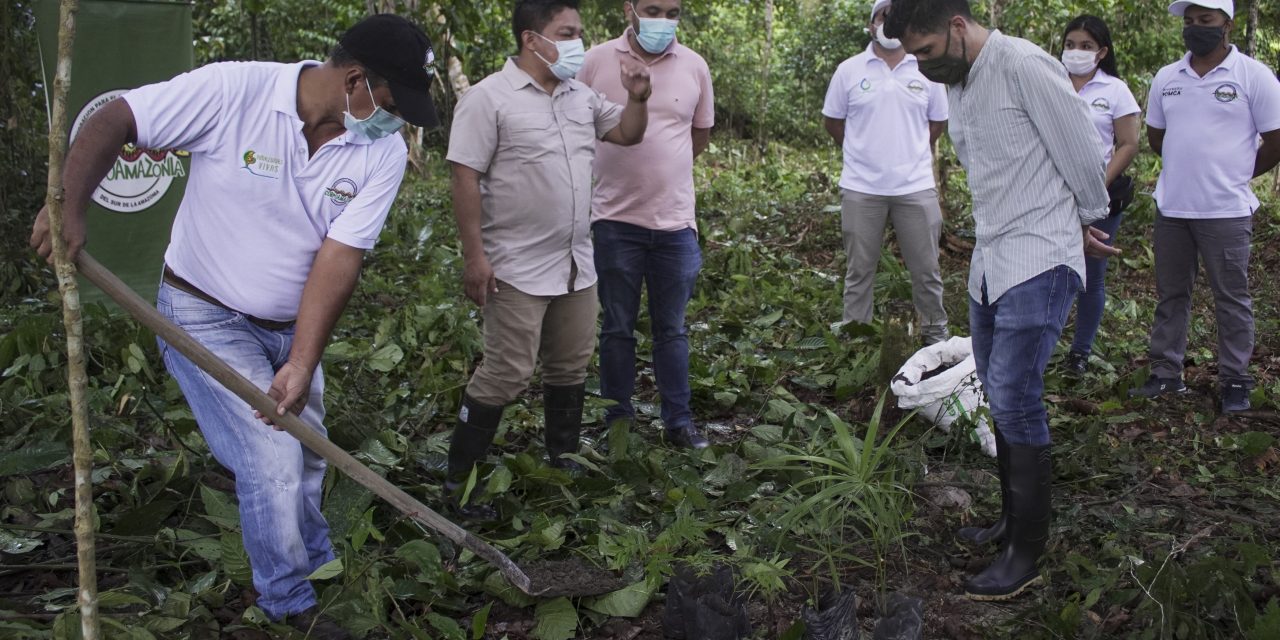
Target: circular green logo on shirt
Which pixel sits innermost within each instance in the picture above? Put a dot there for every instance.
(1226, 93)
(341, 192)
(865, 85)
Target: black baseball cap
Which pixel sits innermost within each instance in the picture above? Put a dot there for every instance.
(400, 52)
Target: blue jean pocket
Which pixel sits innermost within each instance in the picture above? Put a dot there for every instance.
(192, 313)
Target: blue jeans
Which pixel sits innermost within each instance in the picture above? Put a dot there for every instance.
(667, 262)
(1013, 338)
(1093, 298)
(278, 481)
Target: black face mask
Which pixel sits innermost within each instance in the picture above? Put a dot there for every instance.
(946, 68)
(1201, 41)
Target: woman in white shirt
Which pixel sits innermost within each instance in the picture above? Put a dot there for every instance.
(1090, 59)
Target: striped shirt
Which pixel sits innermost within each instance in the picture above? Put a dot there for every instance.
(1031, 153)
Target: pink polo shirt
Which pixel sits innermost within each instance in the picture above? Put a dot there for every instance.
(650, 185)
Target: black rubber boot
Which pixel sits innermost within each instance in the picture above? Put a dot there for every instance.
(562, 413)
(996, 532)
(474, 432)
(1030, 479)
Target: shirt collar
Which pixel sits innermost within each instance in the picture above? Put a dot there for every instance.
(284, 97)
(872, 51)
(517, 79)
(1101, 77)
(1227, 63)
(995, 40)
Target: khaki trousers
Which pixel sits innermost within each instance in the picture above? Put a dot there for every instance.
(520, 329)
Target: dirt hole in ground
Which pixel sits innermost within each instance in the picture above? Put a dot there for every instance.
(552, 578)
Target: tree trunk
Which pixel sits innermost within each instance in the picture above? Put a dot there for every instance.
(762, 125)
(87, 595)
(1251, 33)
(994, 12)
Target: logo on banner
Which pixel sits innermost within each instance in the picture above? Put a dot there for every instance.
(140, 177)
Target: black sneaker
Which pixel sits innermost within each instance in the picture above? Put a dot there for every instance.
(318, 626)
(1235, 397)
(1156, 387)
(1077, 363)
(686, 437)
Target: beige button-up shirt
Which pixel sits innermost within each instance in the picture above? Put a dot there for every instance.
(535, 152)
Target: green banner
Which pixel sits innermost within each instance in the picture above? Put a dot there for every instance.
(120, 45)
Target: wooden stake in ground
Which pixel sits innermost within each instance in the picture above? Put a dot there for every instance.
(87, 594)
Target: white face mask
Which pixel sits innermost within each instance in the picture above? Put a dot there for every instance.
(1079, 62)
(888, 43)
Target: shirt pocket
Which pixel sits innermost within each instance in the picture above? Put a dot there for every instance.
(530, 136)
(580, 130)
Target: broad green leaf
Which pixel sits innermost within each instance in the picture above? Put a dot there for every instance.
(330, 569)
(219, 509)
(235, 561)
(114, 599)
(373, 450)
(207, 547)
(498, 587)
(15, 544)
(557, 620)
(619, 432)
(145, 520)
(423, 555)
(162, 624)
(449, 629)
(345, 505)
(769, 320)
(386, 358)
(499, 481)
(34, 457)
(730, 469)
(627, 602)
(480, 621)
(812, 343)
(726, 399)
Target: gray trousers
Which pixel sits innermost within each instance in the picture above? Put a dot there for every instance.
(917, 222)
(1223, 246)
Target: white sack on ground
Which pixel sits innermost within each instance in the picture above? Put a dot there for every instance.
(949, 392)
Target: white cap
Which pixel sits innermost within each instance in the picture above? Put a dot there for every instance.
(1179, 7)
(879, 4)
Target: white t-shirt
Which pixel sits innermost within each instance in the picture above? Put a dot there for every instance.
(1211, 134)
(886, 132)
(256, 208)
(1109, 99)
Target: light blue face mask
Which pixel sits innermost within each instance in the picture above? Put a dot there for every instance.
(571, 55)
(655, 34)
(380, 124)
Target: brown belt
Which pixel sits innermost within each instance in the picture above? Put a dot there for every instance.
(175, 281)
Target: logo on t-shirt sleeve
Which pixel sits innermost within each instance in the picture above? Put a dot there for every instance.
(341, 192)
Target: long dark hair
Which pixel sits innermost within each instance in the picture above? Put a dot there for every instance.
(1097, 29)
